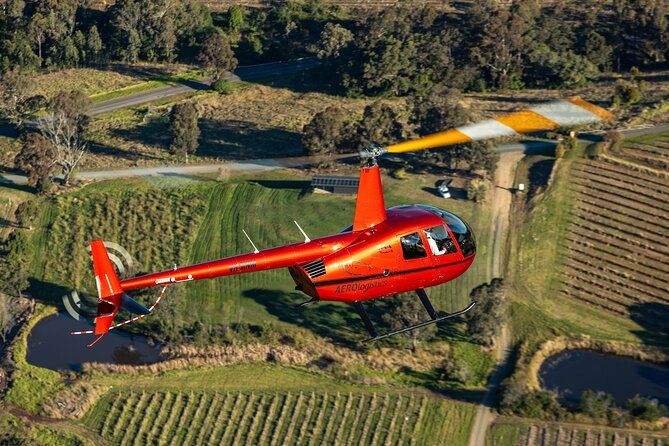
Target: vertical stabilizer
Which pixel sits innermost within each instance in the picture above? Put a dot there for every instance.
(109, 288)
(370, 209)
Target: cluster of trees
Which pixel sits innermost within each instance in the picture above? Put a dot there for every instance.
(287, 30)
(598, 405)
(334, 131)
(43, 33)
(601, 405)
(491, 46)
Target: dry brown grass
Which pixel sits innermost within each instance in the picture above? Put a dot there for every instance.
(89, 80)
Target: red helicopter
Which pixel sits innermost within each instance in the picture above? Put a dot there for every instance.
(384, 252)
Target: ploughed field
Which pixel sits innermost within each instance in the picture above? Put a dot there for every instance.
(617, 247)
(566, 435)
(278, 418)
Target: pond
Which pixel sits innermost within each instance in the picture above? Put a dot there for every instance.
(51, 345)
(571, 372)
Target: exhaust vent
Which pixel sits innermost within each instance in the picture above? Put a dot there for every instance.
(315, 268)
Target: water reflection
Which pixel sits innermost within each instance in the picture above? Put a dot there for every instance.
(50, 345)
(572, 372)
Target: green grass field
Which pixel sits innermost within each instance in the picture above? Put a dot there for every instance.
(233, 405)
(169, 221)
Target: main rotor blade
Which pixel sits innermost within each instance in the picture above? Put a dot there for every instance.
(549, 116)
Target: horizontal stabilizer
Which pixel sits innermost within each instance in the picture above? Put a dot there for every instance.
(132, 306)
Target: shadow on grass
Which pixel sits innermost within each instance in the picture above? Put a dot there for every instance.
(281, 184)
(328, 319)
(47, 292)
(652, 317)
(103, 149)
(15, 186)
(243, 140)
(314, 80)
(153, 133)
(539, 174)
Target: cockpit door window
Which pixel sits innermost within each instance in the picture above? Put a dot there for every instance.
(412, 247)
(439, 241)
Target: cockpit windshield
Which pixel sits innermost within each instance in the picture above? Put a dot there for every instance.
(461, 230)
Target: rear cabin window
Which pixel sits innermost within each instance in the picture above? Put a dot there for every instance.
(412, 247)
(439, 241)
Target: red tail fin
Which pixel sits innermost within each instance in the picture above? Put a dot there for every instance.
(109, 288)
(370, 209)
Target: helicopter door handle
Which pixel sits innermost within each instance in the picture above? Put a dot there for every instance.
(386, 272)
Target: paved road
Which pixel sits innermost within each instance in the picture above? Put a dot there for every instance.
(245, 73)
(241, 166)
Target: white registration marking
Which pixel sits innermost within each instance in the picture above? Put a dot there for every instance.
(486, 129)
(565, 113)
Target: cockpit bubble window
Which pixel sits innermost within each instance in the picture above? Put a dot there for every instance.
(462, 232)
(439, 241)
(412, 247)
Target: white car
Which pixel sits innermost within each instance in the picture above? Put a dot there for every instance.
(442, 188)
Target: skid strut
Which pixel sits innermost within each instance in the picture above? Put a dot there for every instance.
(422, 295)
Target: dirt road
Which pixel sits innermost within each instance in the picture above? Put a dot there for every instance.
(501, 206)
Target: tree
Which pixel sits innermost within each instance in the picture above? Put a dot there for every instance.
(184, 129)
(486, 318)
(325, 132)
(596, 404)
(216, 55)
(548, 68)
(36, 158)
(16, 102)
(333, 40)
(65, 128)
(496, 43)
(379, 125)
(400, 51)
(641, 31)
(93, 45)
(406, 309)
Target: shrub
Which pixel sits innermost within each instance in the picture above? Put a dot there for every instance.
(627, 93)
(222, 86)
(594, 151)
(613, 136)
(539, 404)
(645, 408)
(477, 189)
(224, 172)
(560, 150)
(399, 173)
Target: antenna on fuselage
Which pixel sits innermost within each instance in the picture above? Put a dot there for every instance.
(306, 237)
(255, 249)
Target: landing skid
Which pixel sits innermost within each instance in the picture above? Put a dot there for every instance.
(426, 303)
